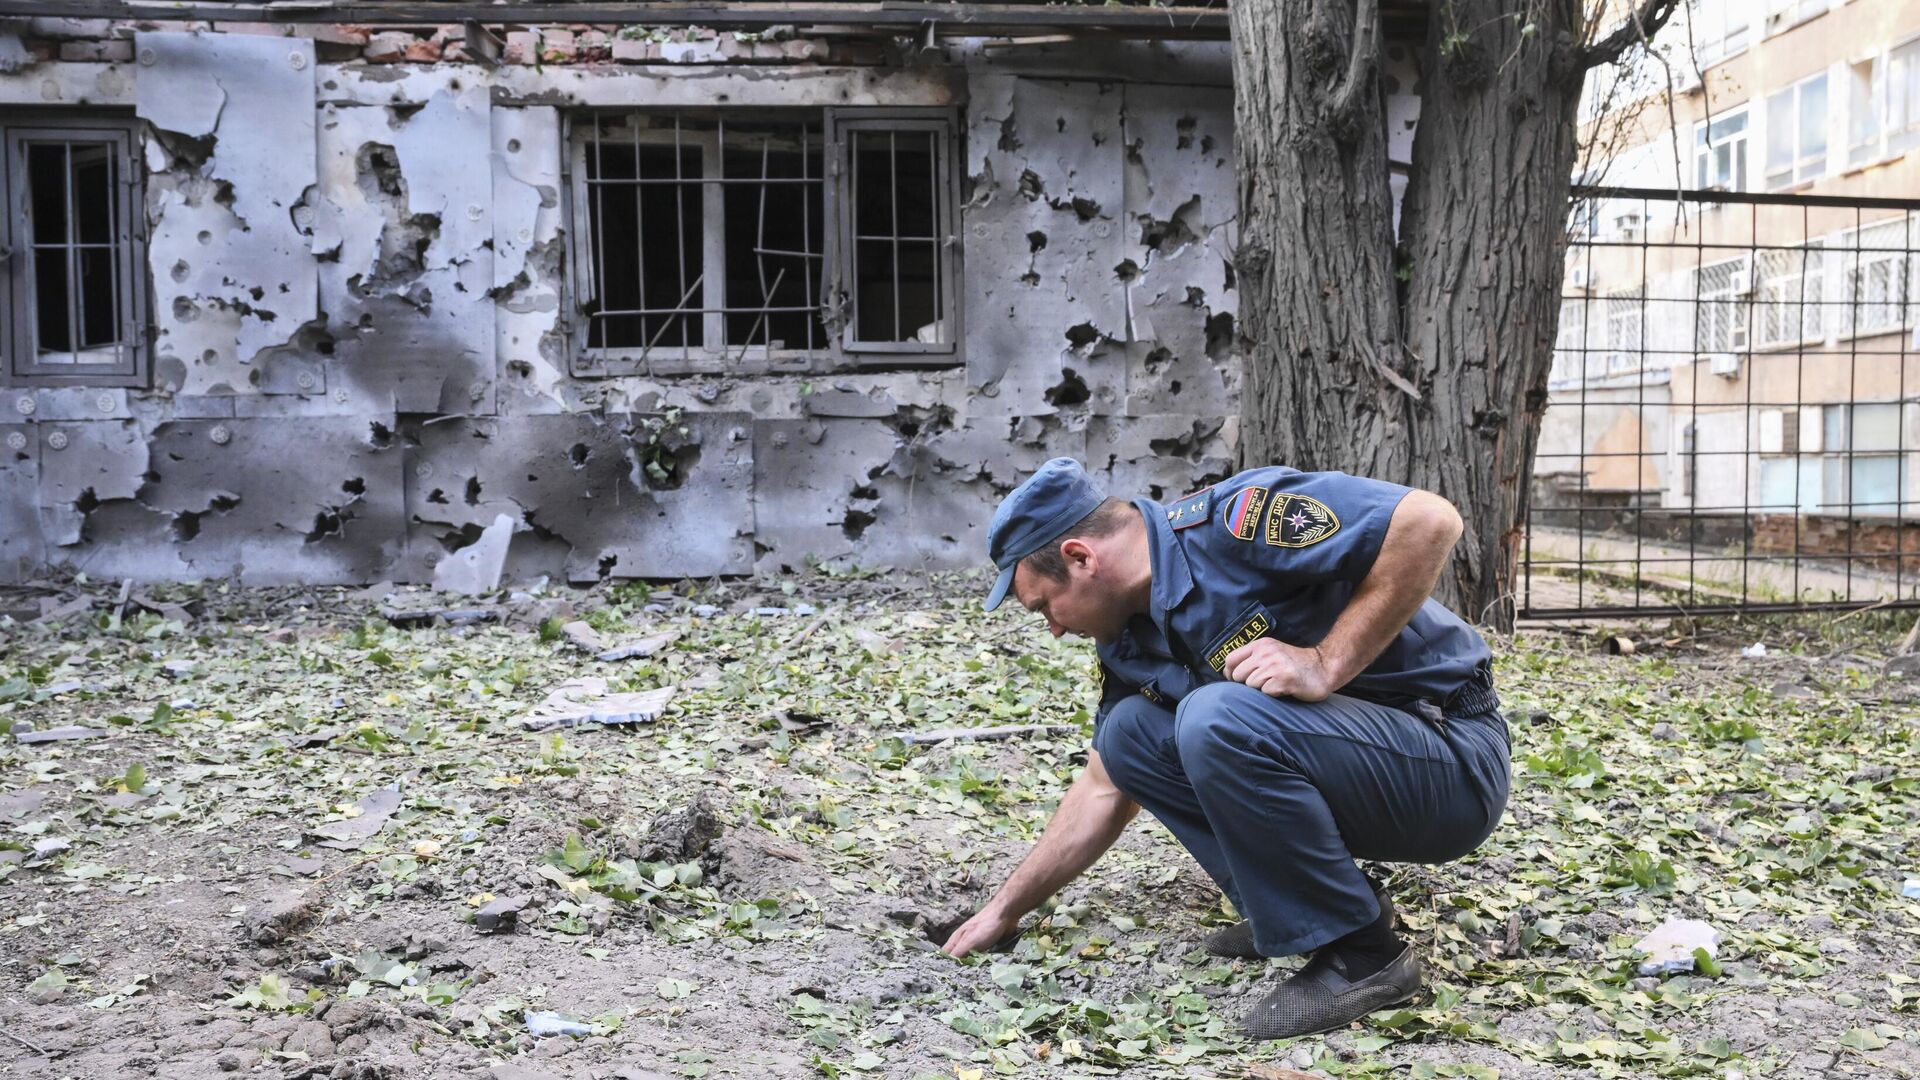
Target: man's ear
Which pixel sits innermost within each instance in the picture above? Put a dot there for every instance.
(1079, 555)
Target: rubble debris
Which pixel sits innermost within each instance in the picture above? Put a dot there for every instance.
(369, 817)
(499, 916)
(414, 619)
(1908, 664)
(19, 804)
(1755, 651)
(58, 734)
(586, 701)
(1911, 889)
(1617, 645)
(1011, 731)
(45, 850)
(278, 919)
(52, 612)
(1664, 732)
(1671, 947)
(684, 834)
(552, 1023)
(795, 722)
(475, 570)
(507, 1070)
(587, 639)
(171, 612)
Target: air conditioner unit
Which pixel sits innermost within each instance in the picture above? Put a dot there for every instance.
(1689, 81)
(1579, 278)
(1720, 363)
(1627, 226)
(1740, 283)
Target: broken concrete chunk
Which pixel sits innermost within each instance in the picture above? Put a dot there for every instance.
(639, 648)
(47, 848)
(58, 734)
(1669, 948)
(369, 817)
(500, 915)
(586, 701)
(584, 637)
(474, 570)
(279, 919)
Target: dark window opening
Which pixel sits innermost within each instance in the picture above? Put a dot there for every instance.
(72, 308)
(897, 236)
(773, 236)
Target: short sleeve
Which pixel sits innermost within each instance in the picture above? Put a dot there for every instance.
(1322, 526)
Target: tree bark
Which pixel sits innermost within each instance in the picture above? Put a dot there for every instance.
(1434, 376)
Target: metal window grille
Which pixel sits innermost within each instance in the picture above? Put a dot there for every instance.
(71, 256)
(753, 240)
(1733, 421)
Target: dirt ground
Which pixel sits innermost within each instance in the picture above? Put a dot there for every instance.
(280, 852)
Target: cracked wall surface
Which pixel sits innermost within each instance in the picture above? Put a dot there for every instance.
(360, 345)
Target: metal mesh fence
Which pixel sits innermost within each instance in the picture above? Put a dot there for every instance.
(1734, 411)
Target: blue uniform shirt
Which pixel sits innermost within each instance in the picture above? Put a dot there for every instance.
(1276, 552)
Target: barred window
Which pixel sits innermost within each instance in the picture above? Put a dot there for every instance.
(1882, 290)
(71, 259)
(1791, 292)
(766, 239)
(1721, 318)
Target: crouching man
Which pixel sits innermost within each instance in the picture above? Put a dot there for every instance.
(1281, 693)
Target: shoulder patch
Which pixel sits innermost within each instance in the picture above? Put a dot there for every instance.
(1297, 521)
(1191, 510)
(1242, 518)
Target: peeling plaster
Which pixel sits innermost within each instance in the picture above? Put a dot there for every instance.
(231, 272)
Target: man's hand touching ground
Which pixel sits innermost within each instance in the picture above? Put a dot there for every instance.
(982, 932)
(1278, 669)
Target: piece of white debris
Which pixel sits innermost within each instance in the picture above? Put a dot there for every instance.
(1755, 651)
(586, 701)
(553, 1023)
(1911, 890)
(1671, 945)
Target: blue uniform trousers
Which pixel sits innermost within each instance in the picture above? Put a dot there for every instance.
(1276, 797)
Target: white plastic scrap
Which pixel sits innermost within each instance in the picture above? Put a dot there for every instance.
(1755, 651)
(1671, 945)
(586, 701)
(553, 1023)
(1911, 890)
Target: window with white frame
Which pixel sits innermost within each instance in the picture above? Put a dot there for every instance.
(1862, 468)
(1720, 29)
(771, 238)
(1720, 317)
(1790, 289)
(1878, 276)
(1797, 132)
(1786, 14)
(1883, 108)
(71, 259)
(1720, 152)
(1626, 330)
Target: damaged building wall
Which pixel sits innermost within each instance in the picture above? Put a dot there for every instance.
(364, 323)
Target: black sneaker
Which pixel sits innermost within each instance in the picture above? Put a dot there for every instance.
(1236, 941)
(1319, 997)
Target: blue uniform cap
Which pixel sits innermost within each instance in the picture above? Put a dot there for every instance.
(1051, 501)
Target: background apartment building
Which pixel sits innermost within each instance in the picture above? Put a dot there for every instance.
(1738, 370)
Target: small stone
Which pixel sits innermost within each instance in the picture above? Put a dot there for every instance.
(228, 1062)
(276, 920)
(1833, 945)
(1665, 732)
(311, 1037)
(1646, 984)
(499, 916)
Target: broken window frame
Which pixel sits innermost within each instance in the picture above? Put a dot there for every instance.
(834, 287)
(18, 308)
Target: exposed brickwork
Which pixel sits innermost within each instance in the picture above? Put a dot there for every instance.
(1826, 535)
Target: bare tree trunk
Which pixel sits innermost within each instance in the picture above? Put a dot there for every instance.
(1426, 366)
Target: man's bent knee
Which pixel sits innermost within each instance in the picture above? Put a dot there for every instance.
(1130, 739)
(1207, 730)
